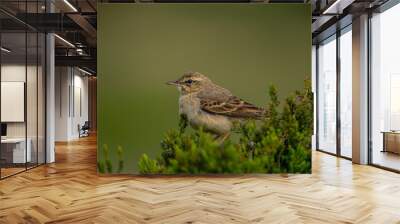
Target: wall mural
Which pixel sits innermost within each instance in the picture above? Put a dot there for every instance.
(204, 88)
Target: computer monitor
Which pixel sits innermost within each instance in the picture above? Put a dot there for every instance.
(3, 129)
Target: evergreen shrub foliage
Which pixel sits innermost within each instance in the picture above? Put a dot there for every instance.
(105, 165)
(280, 143)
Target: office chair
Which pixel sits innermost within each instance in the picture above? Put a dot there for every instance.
(84, 130)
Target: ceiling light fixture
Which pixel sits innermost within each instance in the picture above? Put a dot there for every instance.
(333, 6)
(5, 50)
(64, 40)
(84, 71)
(70, 5)
(79, 51)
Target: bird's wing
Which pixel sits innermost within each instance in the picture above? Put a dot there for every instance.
(232, 107)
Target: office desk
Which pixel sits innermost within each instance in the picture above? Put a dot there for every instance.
(391, 141)
(13, 150)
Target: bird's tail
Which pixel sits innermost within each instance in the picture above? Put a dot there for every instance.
(256, 113)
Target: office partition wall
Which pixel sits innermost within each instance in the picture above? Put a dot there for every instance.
(22, 87)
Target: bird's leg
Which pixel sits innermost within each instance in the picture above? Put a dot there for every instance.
(183, 123)
(221, 138)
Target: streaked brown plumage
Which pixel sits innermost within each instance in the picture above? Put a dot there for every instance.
(211, 106)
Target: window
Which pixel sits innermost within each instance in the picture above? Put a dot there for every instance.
(385, 89)
(346, 93)
(327, 95)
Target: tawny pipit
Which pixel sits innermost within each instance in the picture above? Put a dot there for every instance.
(210, 106)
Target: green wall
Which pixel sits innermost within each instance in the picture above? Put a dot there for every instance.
(243, 47)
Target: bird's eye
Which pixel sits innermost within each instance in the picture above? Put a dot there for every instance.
(189, 81)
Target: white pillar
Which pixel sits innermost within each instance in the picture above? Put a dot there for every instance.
(360, 90)
(50, 99)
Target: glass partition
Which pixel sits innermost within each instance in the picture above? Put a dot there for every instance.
(22, 88)
(31, 100)
(14, 153)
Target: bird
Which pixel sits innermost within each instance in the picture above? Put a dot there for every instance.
(212, 107)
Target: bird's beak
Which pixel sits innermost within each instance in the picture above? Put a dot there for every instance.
(174, 83)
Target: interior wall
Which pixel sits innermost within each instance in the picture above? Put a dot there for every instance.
(80, 109)
(71, 102)
(62, 80)
(92, 89)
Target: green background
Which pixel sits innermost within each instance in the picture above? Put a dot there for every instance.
(243, 47)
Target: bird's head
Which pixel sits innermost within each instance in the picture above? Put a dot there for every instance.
(191, 82)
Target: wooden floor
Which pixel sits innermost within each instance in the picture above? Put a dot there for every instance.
(70, 191)
(387, 159)
(5, 172)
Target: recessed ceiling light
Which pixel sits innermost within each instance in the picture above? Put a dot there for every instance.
(5, 50)
(70, 5)
(84, 71)
(338, 6)
(64, 40)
